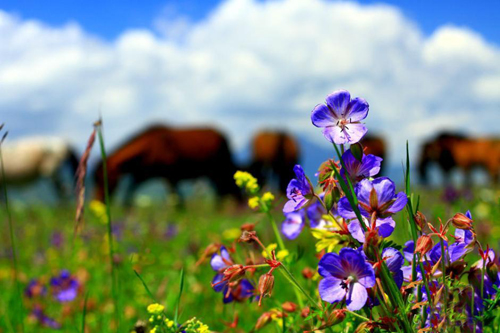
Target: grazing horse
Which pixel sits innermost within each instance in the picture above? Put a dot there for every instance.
(452, 151)
(375, 145)
(173, 155)
(29, 159)
(274, 154)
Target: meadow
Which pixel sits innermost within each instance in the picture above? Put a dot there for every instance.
(158, 241)
(348, 251)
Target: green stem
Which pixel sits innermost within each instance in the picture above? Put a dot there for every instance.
(292, 279)
(109, 224)
(443, 268)
(13, 245)
(363, 318)
(281, 244)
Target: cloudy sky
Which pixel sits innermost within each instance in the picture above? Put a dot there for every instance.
(241, 65)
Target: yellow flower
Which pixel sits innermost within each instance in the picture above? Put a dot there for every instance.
(253, 202)
(246, 180)
(169, 323)
(155, 308)
(327, 239)
(267, 200)
(99, 210)
(280, 255)
(203, 328)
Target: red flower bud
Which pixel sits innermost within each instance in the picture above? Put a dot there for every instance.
(289, 306)
(263, 320)
(265, 286)
(460, 221)
(308, 273)
(420, 220)
(336, 317)
(424, 245)
(247, 236)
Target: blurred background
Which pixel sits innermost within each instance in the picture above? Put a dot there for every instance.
(242, 66)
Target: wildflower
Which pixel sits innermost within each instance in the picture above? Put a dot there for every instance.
(293, 224)
(327, 239)
(340, 117)
(357, 170)
(43, 319)
(247, 181)
(35, 289)
(155, 309)
(99, 210)
(299, 191)
(346, 275)
(265, 286)
(377, 201)
(253, 202)
(282, 254)
(64, 287)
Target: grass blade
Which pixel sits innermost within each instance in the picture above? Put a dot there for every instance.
(179, 297)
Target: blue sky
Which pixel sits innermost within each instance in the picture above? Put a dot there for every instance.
(244, 65)
(109, 18)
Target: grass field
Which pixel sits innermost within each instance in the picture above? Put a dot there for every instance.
(158, 242)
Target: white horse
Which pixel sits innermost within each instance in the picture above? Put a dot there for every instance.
(29, 159)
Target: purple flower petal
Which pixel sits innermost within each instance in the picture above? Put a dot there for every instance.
(370, 165)
(408, 250)
(345, 210)
(331, 265)
(457, 251)
(322, 116)
(335, 134)
(399, 204)
(357, 110)
(330, 290)
(354, 132)
(367, 277)
(356, 231)
(338, 101)
(220, 286)
(356, 297)
(385, 226)
(385, 189)
(217, 261)
(292, 205)
(393, 259)
(293, 225)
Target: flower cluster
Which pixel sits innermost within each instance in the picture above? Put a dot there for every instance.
(417, 286)
(160, 323)
(63, 288)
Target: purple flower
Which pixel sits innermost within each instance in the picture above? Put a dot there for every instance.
(64, 287)
(346, 275)
(299, 191)
(235, 291)
(340, 117)
(369, 166)
(43, 319)
(377, 199)
(394, 261)
(35, 289)
(293, 224)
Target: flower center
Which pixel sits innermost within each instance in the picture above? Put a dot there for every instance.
(347, 282)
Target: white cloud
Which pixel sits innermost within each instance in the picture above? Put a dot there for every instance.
(250, 64)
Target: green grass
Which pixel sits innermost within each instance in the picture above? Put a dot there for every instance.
(141, 246)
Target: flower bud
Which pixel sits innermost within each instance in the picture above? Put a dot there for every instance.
(263, 320)
(424, 245)
(247, 227)
(305, 312)
(420, 220)
(372, 242)
(289, 306)
(308, 273)
(460, 221)
(265, 286)
(336, 317)
(234, 273)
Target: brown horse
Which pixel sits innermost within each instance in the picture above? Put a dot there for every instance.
(452, 151)
(173, 155)
(375, 145)
(274, 154)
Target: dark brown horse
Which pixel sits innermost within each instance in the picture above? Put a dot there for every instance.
(375, 145)
(173, 155)
(274, 154)
(454, 151)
